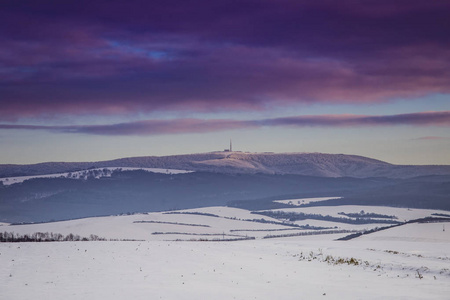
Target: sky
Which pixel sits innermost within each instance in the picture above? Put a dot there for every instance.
(98, 80)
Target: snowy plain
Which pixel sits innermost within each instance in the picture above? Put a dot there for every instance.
(406, 262)
(212, 222)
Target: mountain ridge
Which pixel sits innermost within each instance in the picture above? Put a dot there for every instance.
(309, 164)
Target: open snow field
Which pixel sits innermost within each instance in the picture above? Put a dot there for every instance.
(216, 223)
(227, 223)
(257, 269)
(406, 262)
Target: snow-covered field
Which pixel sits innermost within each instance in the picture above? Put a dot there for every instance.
(216, 223)
(226, 223)
(406, 262)
(84, 174)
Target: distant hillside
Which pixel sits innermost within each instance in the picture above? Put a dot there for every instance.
(309, 164)
(44, 199)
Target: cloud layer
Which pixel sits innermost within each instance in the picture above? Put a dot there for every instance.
(432, 138)
(181, 126)
(107, 57)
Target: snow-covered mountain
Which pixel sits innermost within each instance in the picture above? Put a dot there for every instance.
(310, 164)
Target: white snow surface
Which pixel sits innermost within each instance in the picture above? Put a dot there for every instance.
(224, 222)
(406, 262)
(143, 226)
(84, 174)
(229, 212)
(259, 269)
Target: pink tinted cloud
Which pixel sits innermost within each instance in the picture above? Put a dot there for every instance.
(213, 55)
(415, 119)
(432, 138)
(183, 126)
(232, 78)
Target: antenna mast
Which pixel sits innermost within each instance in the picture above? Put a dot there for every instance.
(231, 146)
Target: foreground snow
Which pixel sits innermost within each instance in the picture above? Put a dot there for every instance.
(258, 269)
(406, 262)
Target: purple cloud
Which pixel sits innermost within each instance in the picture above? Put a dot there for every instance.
(432, 138)
(108, 57)
(416, 119)
(181, 126)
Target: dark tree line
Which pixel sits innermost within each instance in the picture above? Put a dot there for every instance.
(11, 237)
(367, 215)
(173, 223)
(271, 236)
(191, 213)
(441, 215)
(294, 216)
(421, 220)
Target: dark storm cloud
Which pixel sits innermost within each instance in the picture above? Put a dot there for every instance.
(180, 126)
(117, 57)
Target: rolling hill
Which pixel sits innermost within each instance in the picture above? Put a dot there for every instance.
(308, 164)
